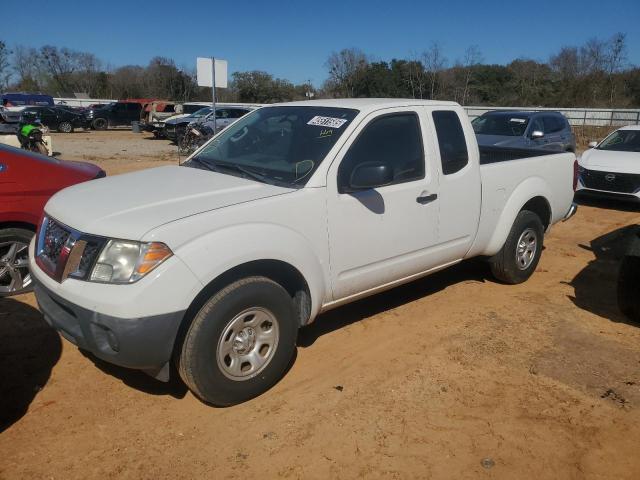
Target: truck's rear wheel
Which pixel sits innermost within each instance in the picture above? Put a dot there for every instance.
(519, 256)
(240, 343)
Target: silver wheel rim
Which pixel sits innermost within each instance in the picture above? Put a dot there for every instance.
(247, 344)
(14, 266)
(526, 248)
(65, 127)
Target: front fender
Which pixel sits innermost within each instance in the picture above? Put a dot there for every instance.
(217, 252)
(529, 188)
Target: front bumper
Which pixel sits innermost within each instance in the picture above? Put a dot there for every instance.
(141, 343)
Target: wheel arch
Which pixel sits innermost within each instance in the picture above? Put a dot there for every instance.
(281, 272)
(24, 225)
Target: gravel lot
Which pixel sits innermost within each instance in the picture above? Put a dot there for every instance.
(453, 376)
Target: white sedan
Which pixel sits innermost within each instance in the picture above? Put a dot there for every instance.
(612, 167)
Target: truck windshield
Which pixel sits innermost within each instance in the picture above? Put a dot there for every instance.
(506, 125)
(280, 145)
(622, 141)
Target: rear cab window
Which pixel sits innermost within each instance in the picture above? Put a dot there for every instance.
(452, 142)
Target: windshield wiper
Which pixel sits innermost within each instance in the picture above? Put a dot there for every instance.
(244, 170)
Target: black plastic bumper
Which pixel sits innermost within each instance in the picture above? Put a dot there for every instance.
(140, 343)
(624, 197)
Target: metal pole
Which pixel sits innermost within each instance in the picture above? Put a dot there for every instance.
(213, 92)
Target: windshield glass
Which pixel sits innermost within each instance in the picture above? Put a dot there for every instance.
(622, 141)
(202, 112)
(281, 145)
(507, 125)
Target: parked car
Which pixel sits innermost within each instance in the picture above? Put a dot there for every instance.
(154, 114)
(181, 110)
(291, 211)
(9, 121)
(225, 116)
(611, 168)
(58, 118)
(114, 115)
(22, 99)
(28, 180)
(514, 129)
(175, 127)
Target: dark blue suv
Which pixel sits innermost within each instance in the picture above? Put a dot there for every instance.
(516, 129)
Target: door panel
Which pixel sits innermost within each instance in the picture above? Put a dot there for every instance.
(383, 234)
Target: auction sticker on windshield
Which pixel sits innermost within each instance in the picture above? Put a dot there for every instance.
(327, 121)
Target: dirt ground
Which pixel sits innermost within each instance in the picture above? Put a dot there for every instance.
(453, 376)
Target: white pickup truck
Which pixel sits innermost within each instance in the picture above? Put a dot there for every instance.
(293, 210)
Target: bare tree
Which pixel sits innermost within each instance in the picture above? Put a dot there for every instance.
(566, 63)
(593, 56)
(472, 58)
(434, 62)
(26, 64)
(345, 68)
(615, 60)
(5, 65)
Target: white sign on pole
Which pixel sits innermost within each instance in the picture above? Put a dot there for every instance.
(204, 71)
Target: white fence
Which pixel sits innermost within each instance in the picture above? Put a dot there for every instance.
(576, 116)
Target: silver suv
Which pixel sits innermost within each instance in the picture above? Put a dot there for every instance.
(515, 129)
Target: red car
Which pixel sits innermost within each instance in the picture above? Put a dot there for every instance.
(27, 181)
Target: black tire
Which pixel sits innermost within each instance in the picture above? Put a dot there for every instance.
(505, 265)
(202, 351)
(629, 288)
(65, 127)
(100, 124)
(10, 236)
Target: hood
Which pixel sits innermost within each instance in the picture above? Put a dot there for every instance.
(176, 118)
(127, 206)
(85, 170)
(499, 140)
(610, 161)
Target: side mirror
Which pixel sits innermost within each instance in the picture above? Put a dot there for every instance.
(370, 175)
(593, 144)
(537, 134)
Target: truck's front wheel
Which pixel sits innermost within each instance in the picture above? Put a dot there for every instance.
(519, 256)
(240, 343)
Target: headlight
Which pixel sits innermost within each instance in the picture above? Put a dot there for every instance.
(124, 261)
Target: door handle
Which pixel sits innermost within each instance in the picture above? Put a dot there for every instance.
(426, 198)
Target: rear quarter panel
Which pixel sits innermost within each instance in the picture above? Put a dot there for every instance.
(508, 186)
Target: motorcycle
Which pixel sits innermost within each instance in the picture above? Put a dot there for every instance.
(194, 137)
(30, 134)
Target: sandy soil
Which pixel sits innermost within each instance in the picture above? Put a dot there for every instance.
(453, 376)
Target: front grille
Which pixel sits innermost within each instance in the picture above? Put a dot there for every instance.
(90, 254)
(63, 252)
(54, 239)
(610, 181)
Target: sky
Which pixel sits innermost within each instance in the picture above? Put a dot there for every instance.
(293, 39)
